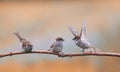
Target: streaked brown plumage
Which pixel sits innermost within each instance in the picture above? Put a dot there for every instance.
(26, 45)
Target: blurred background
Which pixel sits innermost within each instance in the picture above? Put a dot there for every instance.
(42, 21)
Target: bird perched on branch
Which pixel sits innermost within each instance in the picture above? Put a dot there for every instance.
(26, 45)
(57, 46)
(81, 40)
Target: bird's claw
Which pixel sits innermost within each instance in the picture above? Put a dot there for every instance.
(61, 54)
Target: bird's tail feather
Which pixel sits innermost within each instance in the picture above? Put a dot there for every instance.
(96, 49)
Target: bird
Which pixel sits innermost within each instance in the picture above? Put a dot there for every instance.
(81, 39)
(26, 45)
(57, 46)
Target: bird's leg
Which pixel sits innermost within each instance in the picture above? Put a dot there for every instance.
(50, 49)
(88, 50)
(61, 54)
(84, 51)
(92, 50)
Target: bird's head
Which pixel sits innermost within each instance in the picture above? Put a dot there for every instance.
(59, 39)
(76, 38)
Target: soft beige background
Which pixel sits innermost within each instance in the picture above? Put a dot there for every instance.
(42, 21)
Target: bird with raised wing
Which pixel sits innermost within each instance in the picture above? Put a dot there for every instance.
(81, 39)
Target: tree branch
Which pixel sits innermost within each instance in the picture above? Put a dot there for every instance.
(66, 55)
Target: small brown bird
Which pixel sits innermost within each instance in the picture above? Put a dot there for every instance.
(26, 45)
(57, 46)
(82, 41)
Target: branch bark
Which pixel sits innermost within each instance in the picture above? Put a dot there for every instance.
(66, 55)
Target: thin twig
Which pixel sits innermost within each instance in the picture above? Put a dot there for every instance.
(66, 55)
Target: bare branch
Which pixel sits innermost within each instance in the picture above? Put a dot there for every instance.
(66, 55)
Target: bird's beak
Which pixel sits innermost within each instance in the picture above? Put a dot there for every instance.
(73, 38)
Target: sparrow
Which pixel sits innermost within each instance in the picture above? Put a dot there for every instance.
(26, 45)
(81, 40)
(57, 46)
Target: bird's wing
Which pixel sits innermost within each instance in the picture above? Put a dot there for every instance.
(29, 43)
(53, 45)
(74, 32)
(83, 33)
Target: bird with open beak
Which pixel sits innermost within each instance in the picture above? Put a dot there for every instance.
(26, 45)
(57, 46)
(81, 40)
